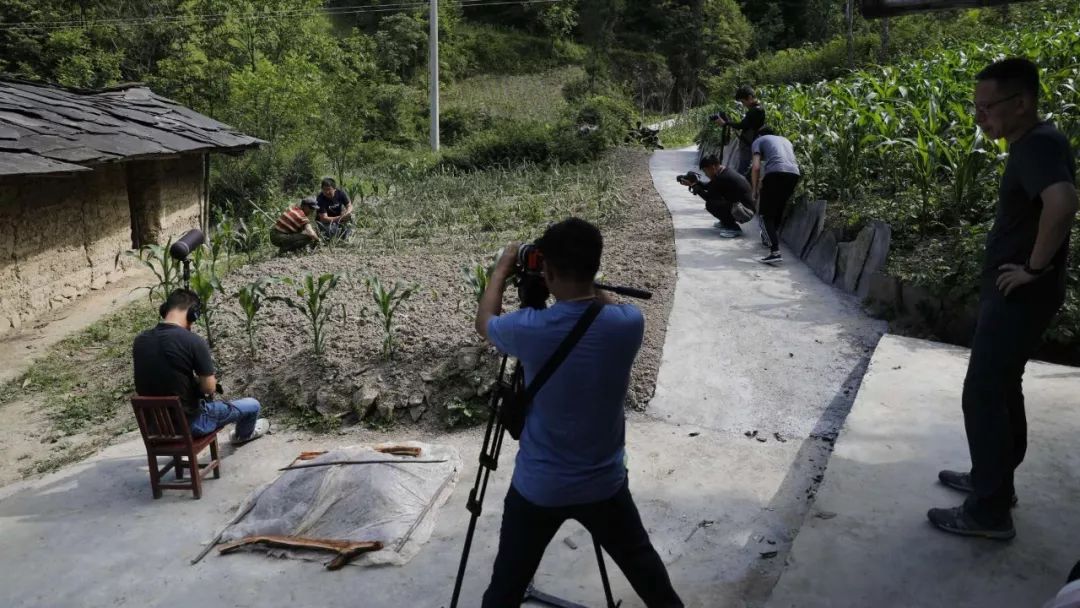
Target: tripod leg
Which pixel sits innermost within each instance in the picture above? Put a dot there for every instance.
(603, 575)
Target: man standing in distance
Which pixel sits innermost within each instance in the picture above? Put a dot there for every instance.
(1022, 287)
(752, 122)
(571, 464)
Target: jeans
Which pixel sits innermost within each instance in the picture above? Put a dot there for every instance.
(776, 190)
(216, 414)
(1007, 333)
(614, 523)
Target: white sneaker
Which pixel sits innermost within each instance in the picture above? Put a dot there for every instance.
(262, 427)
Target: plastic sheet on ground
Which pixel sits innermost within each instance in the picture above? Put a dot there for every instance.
(395, 504)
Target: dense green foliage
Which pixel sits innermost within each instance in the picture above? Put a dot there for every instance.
(901, 145)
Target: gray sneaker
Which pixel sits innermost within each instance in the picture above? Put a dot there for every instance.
(957, 521)
(728, 233)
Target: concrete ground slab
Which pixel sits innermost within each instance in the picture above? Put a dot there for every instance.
(91, 535)
(875, 547)
(750, 346)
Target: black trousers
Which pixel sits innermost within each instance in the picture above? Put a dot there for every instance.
(614, 523)
(721, 210)
(776, 191)
(1007, 333)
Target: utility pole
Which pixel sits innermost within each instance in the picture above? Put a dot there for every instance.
(433, 61)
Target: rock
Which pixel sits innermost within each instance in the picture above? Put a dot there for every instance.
(856, 259)
(416, 399)
(385, 409)
(875, 257)
(882, 293)
(427, 376)
(468, 358)
(803, 226)
(417, 412)
(363, 401)
(821, 258)
(842, 255)
(486, 387)
(329, 403)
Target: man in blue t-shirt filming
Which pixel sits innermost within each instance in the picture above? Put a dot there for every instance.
(571, 462)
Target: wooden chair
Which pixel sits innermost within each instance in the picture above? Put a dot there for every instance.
(165, 432)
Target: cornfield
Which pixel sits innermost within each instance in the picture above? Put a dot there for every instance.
(900, 144)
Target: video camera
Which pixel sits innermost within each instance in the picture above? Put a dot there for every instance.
(689, 179)
(718, 116)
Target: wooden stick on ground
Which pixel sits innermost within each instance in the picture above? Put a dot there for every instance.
(345, 550)
(312, 465)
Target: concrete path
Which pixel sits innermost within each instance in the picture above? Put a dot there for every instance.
(748, 348)
(868, 542)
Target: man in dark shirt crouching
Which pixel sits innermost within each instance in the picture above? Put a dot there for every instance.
(170, 360)
(722, 193)
(1023, 286)
(571, 462)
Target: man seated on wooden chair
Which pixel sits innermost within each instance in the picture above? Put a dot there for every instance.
(171, 360)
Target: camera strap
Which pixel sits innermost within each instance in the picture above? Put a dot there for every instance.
(563, 350)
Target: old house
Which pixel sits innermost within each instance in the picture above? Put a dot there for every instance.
(87, 174)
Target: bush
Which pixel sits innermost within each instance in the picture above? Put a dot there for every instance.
(501, 51)
(456, 124)
(612, 116)
(511, 144)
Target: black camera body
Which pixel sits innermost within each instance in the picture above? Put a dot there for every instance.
(529, 277)
(718, 116)
(689, 179)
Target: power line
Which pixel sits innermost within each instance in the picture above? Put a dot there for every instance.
(266, 15)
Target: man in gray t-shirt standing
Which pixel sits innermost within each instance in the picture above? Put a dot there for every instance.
(1022, 288)
(773, 177)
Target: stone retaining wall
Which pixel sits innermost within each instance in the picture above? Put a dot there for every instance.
(59, 236)
(845, 265)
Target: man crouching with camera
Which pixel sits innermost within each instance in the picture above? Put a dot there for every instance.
(571, 461)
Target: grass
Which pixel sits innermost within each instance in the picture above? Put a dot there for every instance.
(85, 379)
(534, 96)
(460, 210)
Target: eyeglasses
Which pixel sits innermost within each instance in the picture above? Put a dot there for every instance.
(984, 108)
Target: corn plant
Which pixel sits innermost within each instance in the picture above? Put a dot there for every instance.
(477, 278)
(206, 284)
(312, 301)
(166, 270)
(251, 298)
(387, 303)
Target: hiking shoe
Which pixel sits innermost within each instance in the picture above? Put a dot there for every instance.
(262, 427)
(773, 258)
(957, 521)
(729, 233)
(962, 482)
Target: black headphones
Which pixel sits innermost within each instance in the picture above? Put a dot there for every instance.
(193, 313)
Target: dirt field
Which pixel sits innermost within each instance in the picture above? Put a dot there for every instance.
(441, 373)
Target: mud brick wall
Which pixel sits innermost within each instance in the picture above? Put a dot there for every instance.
(59, 235)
